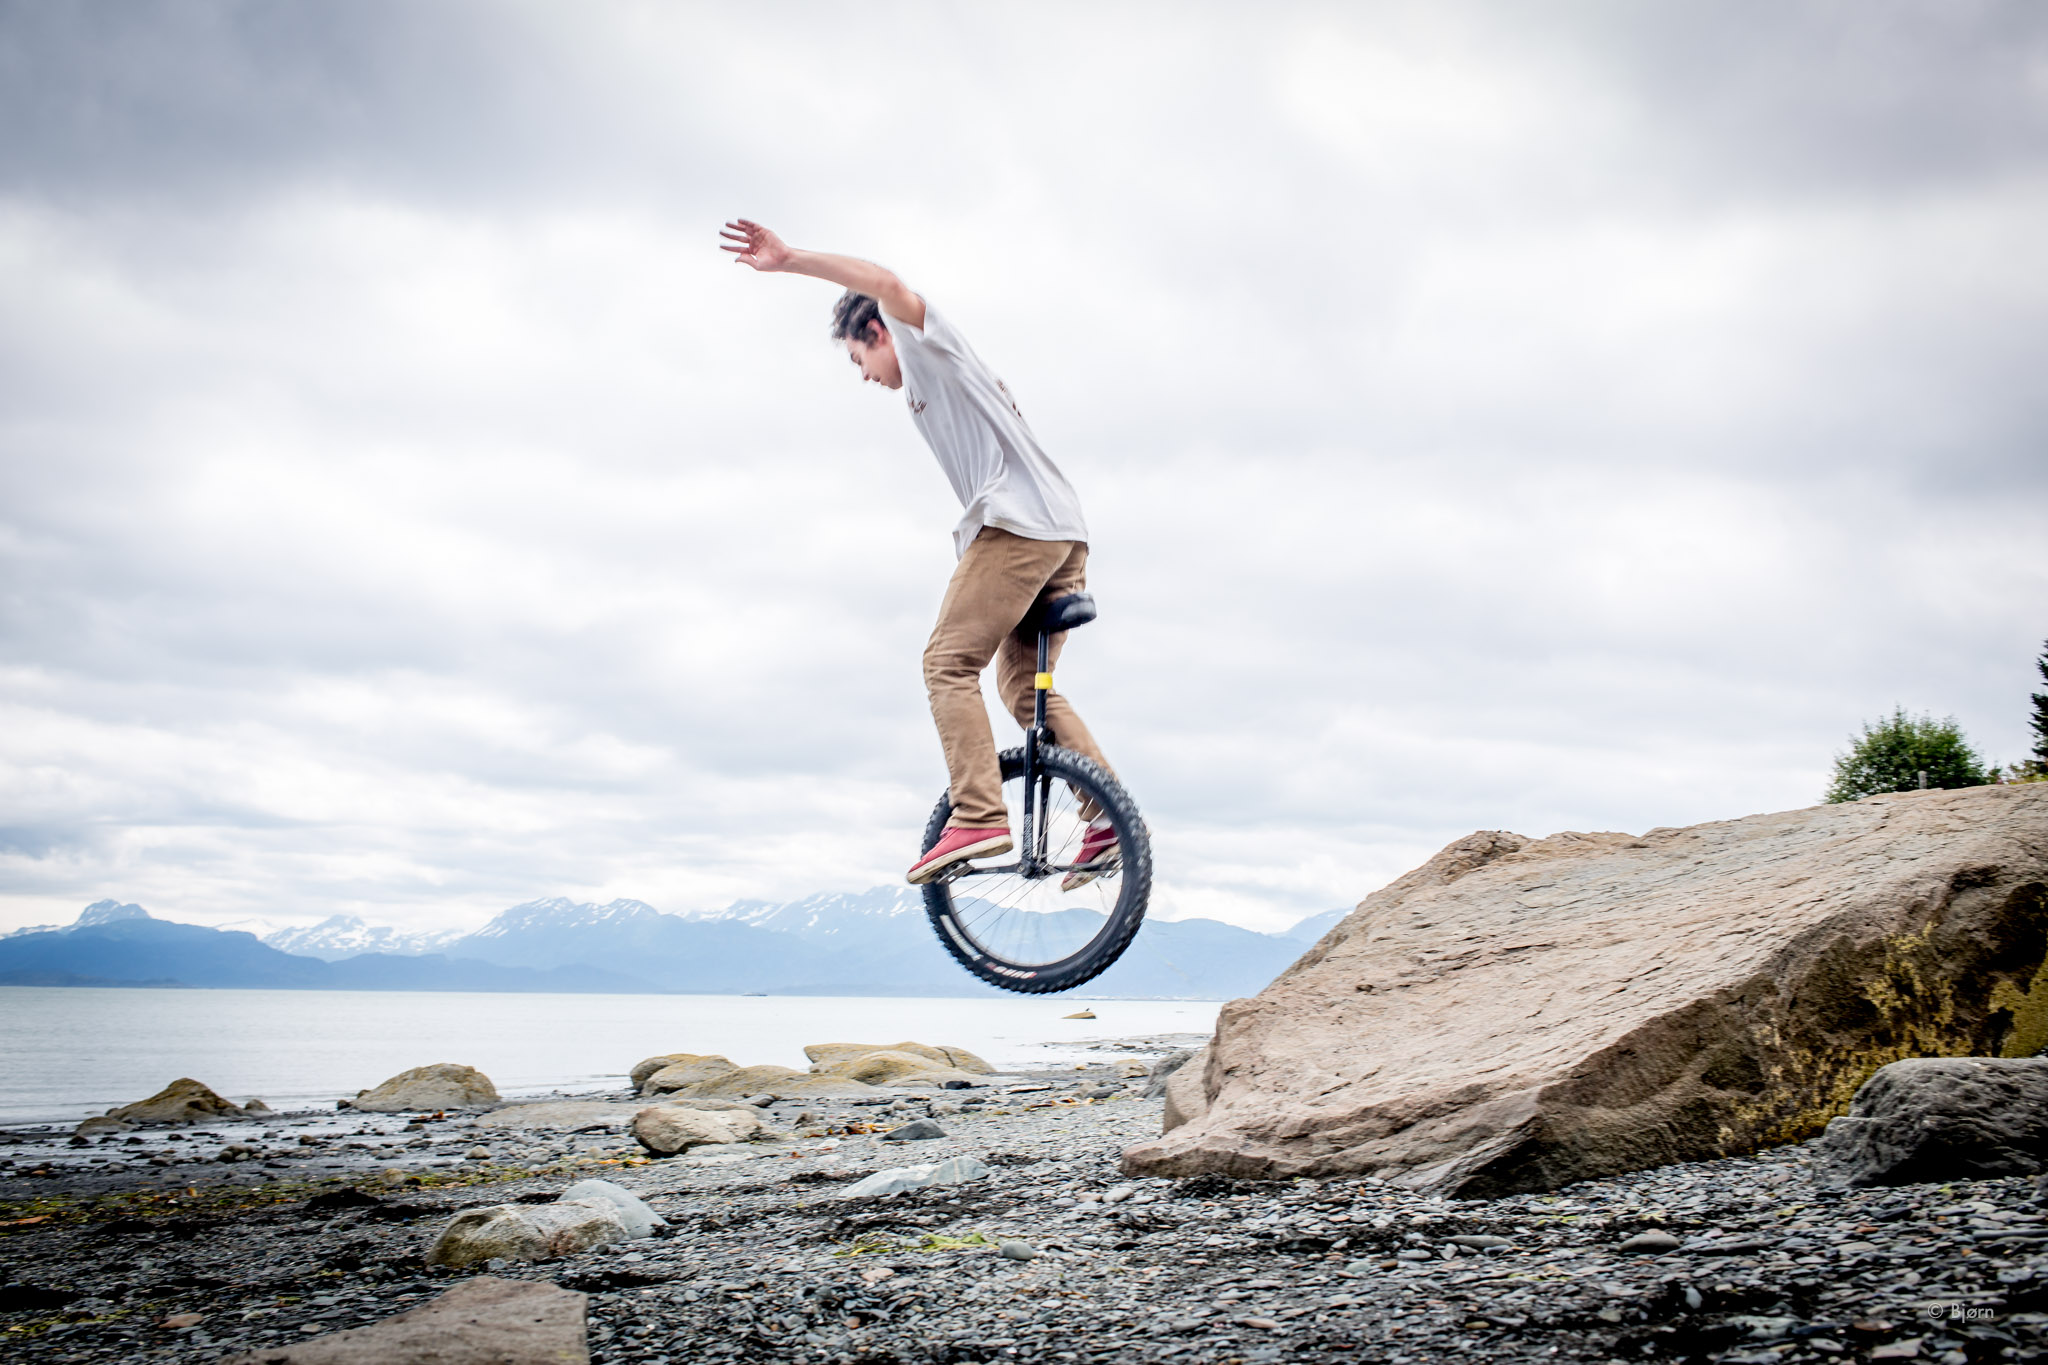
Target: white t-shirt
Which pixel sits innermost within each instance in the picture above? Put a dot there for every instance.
(983, 443)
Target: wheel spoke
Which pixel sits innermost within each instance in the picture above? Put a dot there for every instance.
(1030, 923)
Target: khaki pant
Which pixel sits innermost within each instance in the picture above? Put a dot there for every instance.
(997, 582)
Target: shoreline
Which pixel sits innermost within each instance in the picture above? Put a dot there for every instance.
(608, 1085)
(763, 1261)
(59, 1058)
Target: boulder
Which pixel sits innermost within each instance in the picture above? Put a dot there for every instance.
(917, 1130)
(484, 1321)
(527, 1232)
(678, 1070)
(952, 1171)
(890, 1067)
(826, 1057)
(1939, 1119)
(639, 1219)
(779, 1081)
(1163, 1071)
(648, 1066)
(444, 1085)
(666, 1129)
(182, 1101)
(1520, 1014)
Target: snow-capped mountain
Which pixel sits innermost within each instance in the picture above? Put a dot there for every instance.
(827, 912)
(632, 938)
(99, 912)
(122, 945)
(106, 912)
(340, 936)
(558, 912)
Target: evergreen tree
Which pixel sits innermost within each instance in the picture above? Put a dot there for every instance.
(1890, 755)
(2040, 764)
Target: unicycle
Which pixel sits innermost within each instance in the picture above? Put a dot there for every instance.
(1013, 924)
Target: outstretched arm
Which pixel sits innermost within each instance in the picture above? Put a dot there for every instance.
(754, 245)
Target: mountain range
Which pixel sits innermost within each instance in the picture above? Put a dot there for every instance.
(876, 942)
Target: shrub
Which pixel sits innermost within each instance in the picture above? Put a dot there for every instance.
(1891, 754)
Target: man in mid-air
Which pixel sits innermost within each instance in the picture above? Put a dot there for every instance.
(1020, 542)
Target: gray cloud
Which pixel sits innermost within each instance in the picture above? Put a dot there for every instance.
(1487, 417)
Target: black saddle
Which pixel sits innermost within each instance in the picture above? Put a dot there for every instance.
(1056, 614)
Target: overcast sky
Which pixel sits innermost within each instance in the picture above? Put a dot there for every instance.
(1577, 416)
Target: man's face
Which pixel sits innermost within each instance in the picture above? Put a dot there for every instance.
(876, 357)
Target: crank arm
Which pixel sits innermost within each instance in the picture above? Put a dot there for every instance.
(959, 870)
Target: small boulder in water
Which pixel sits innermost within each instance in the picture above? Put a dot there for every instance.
(182, 1101)
(102, 1123)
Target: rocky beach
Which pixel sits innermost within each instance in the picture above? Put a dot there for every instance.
(1764, 1090)
(279, 1237)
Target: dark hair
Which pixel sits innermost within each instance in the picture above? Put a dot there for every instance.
(851, 316)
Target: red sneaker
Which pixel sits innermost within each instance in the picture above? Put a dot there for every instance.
(1098, 846)
(957, 846)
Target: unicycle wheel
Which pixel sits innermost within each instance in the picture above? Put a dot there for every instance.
(1009, 921)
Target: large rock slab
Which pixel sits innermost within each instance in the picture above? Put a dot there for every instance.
(828, 1057)
(891, 1067)
(444, 1085)
(562, 1116)
(1939, 1119)
(1518, 1014)
(527, 1232)
(182, 1101)
(780, 1081)
(484, 1321)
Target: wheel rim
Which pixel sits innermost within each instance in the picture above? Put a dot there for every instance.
(1030, 922)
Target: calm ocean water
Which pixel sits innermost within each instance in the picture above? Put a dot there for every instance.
(66, 1052)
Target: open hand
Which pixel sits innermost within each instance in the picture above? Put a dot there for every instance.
(754, 245)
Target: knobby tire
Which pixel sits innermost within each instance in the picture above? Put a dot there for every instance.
(1134, 879)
